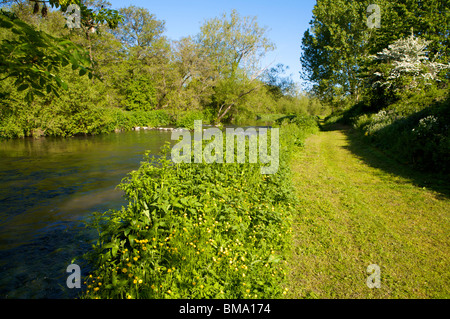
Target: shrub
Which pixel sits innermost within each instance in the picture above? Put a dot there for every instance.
(414, 131)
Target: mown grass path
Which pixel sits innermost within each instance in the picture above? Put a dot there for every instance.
(358, 208)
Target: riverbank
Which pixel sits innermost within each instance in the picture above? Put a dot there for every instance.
(107, 120)
(198, 230)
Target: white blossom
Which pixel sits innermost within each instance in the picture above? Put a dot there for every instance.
(408, 57)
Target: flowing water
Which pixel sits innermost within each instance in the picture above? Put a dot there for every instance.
(48, 186)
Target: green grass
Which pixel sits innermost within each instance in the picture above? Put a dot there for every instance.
(358, 207)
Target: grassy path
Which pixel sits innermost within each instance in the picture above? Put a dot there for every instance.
(355, 212)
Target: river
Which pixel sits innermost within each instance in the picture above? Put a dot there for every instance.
(48, 187)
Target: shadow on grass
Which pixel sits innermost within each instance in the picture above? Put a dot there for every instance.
(381, 160)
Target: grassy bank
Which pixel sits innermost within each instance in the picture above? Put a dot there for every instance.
(198, 230)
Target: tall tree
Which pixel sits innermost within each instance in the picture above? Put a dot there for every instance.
(334, 46)
(148, 51)
(235, 46)
(194, 76)
(277, 84)
(139, 28)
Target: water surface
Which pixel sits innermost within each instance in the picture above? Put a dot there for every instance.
(47, 187)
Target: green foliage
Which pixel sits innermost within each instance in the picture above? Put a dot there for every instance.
(291, 105)
(234, 42)
(277, 84)
(135, 67)
(186, 119)
(140, 95)
(234, 46)
(304, 125)
(128, 120)
(334, 46)
(81, 111)
(197, 231)
(34, 58)
(337, 47)
(400, 79)
(402, 69)
(414, 131)
(138, 28)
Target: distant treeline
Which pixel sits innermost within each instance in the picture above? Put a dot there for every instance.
(120, 70)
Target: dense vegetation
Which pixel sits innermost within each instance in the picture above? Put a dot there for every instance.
(199, 230)
(391, 82)
(119, 71)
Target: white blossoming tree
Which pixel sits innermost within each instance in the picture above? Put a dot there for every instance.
(405, 65)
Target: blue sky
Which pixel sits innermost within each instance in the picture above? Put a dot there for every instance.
(286, 20)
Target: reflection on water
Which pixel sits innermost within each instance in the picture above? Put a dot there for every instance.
(47, 187)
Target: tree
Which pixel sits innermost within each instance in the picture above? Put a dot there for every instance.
(147, 51)
(334, 46)
(339, 42)
(139, 28)
(194, 76)
(430, 20)
(140, 94)
(405, 65)
(234, 46)
(34, 58)
(278, 84)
